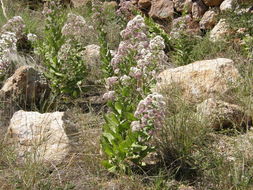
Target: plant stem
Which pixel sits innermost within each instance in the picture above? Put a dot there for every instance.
(4, 9)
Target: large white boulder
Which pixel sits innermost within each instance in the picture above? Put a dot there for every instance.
(40, 137)
(201, 79)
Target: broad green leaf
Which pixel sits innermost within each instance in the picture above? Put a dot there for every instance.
(118, 107)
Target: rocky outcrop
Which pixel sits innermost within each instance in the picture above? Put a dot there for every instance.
(220, 31)
(162, 9)
(40, 137)
(218, 114)
(201, 80)
(27, 84)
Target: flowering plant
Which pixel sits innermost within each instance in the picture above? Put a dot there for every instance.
(131, 122)
(11, 32)
(61, 53)
(8, 46)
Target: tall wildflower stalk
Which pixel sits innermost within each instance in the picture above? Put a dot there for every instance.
(135, 113)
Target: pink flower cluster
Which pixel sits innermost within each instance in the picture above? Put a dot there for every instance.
(135, 37)
(109, 95)
(15, 25)
(75, 26)
(49, 6)
(126, 8)
(150, 112)
(148, 54)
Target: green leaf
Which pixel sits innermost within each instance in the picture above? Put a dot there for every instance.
(107, 148)
(112, 169)
(130, 116)
(106, 164)
(118, 107)
(109, 137)
(112, 121)
(138, 147)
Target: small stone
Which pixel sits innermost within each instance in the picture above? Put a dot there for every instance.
(144, 4)
(227, 5)
(179, 5)
(162, 9)
(208, 20)
(198, 9)
(220, 31)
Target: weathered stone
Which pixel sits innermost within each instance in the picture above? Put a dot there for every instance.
(27, 84)
(212, 3)
(188, 6)
(179, 5)
(227, 5)
(144, 4)
(78, 3)
(220, 31)
(218, 114)
(208, 20)
(198, 9)
(201, 80)
(183, 5)
(40, 137)
(91, 55)
(162, 9)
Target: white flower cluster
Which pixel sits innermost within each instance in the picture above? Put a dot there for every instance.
(75, 26)
(148, 54)
(150, 112)
(8, 46)
(64, 52)
(15, 25)
(32, 37)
